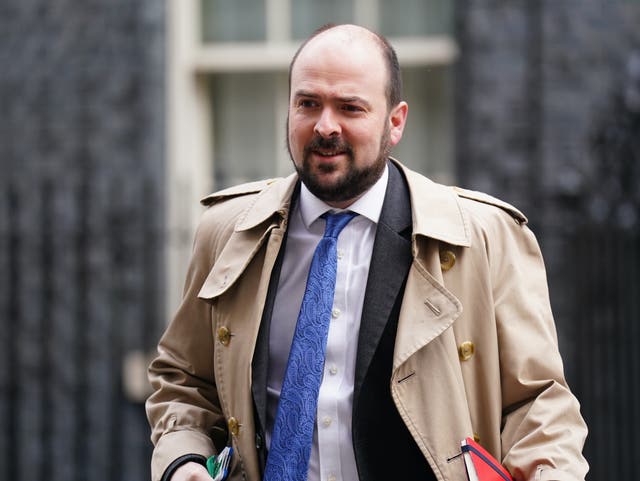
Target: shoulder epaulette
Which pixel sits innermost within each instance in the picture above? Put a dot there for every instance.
(236, 191)
(519, 217)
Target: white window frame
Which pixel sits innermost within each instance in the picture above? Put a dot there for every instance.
(189, 167)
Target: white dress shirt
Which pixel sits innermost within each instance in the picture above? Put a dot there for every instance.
(332, 457)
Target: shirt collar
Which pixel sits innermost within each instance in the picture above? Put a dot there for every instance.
(369, 205)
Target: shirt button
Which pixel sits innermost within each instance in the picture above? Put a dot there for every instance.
(332, 477)
(333, 370)
(326, 421)
(335, 313)
(340, 254)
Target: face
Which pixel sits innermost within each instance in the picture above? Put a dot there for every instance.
(340, 128)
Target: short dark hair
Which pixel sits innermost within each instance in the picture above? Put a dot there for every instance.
(393, 89)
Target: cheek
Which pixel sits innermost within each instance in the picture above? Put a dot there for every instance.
(296, 142)
(298, 132)
(291, 127)
(366, 142)
(293, 136)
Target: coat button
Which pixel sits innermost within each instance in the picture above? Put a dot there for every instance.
(224, 335)
(466, 350)
(234, 426)
(447, 260)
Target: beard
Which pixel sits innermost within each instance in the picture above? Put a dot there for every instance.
(355, 182)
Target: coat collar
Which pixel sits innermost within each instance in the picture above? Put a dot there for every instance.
(436, 208)
(274, 199)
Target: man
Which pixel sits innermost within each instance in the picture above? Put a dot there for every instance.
(438, 326)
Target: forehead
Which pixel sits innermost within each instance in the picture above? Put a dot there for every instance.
(341, 62)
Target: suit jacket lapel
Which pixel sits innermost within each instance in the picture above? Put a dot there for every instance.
(390, 263)
(260, 361)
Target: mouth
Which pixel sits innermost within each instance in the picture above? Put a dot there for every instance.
(328, 153)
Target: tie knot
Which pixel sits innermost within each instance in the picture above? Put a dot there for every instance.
(337, 222)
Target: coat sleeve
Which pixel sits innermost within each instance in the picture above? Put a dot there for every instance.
(543, 432)
(184, 410)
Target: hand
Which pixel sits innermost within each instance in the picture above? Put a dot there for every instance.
(191, 472)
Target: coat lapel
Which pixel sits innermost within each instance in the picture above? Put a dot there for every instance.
(390, 262)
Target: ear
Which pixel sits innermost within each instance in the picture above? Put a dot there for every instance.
(397, 121)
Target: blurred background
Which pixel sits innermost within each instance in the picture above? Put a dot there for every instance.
(117, 116)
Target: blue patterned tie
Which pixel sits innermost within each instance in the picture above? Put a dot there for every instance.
(292, 435)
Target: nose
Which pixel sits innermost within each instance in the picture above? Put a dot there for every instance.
(327, 125)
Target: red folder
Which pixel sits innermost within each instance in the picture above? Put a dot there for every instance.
(481, 466)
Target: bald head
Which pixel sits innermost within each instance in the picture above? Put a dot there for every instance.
(351, 37)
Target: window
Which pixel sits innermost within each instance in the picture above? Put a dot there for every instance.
(228, 92)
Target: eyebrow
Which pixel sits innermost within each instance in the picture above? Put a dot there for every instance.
(349, 99)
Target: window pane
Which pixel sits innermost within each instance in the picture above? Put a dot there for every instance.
(426, 145)
(249, 113)
(233, 20)
(248, 141)
(415, 17)
(308, 15)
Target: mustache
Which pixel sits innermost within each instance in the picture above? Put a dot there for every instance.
(332, 144)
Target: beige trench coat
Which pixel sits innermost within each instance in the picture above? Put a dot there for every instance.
(475, 355)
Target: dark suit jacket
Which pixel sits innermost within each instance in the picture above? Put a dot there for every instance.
(383, 446)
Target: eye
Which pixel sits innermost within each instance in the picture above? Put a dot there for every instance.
(307, 103)
(352, 108)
